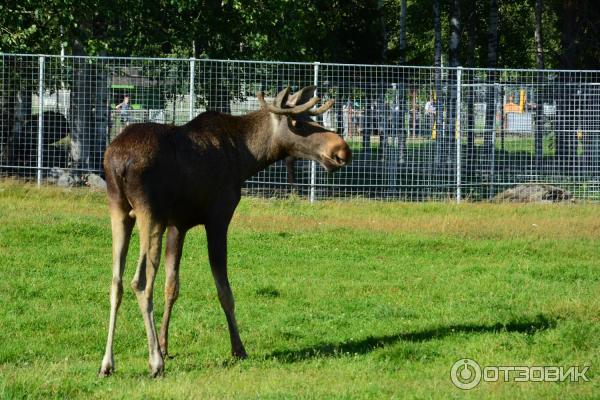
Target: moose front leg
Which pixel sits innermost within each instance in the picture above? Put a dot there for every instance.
(216, 235)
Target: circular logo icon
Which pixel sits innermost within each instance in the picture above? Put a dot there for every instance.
(465, 374)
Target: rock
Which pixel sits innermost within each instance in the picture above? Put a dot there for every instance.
(95, 182)
(535, 193)
(54, 174)
(66, 180)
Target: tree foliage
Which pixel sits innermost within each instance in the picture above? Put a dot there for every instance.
(332, 31)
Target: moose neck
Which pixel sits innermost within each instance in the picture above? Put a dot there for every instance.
(248, 143)
(258, 148)
(245, 144)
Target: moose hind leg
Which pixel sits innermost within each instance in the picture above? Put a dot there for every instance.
(217, 253)
(143, 282)
(122, 225)
(174, 247)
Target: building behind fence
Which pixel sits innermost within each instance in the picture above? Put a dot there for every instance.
(417, 133)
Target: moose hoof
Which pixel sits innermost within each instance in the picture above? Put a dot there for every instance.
(105, 372)
(164, 352)
(240, 354)
(107, 367)
(158, 371)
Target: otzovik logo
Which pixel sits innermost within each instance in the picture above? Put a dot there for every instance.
(466, 373)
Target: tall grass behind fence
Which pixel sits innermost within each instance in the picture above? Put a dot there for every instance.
(418, 133)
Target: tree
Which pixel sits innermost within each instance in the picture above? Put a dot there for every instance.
(455, 33)
(337, 31)
(471, 32)
(566, 139)
(492, 59)
(519, 34)
(539, 117)
(437, 27)
(493, 35)
(454, 46)
(399, 118)
(402, 41)
(539, 41)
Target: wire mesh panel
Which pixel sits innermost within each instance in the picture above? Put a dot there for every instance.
(231, 87)
(60, 113)
(524, 128)
(18, 140)
(417, 133)
(381, 111)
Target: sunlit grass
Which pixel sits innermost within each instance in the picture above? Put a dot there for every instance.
(349, 299)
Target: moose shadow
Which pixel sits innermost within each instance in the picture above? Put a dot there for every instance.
(363, 346)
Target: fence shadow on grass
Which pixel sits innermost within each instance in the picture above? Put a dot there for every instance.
(369, 344)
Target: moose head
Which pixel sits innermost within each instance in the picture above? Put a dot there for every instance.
(298, 135)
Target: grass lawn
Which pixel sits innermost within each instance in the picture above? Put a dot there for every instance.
(349, 299)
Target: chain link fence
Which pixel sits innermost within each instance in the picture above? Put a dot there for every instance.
(417, 133)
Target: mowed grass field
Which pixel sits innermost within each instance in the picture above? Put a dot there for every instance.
(349, 299)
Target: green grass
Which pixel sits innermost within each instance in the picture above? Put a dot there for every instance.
(347, 299)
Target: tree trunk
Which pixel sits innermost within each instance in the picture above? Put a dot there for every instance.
(493, 35)
(16, 149)
(454, 46)
(539, 123)
(217, 78)
(6, 116)
(566, 139)
(591, 138)
(454, 32)
(338, 108)
(401, 120)
(402, 41)
(569, 35)
(490, 109)
(89, 113)
(471, 44)
(539, 116)
(437, 62)
(382, 27)
(80, 114)
(217, 89)
(399, 115)
(367, 122)
(100, 117)
(387, 132)
(539, 40)
(22, 148)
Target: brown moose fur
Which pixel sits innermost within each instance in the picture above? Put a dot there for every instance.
(172, 178)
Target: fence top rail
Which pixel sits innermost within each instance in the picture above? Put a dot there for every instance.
(324, 64)
(153, 58)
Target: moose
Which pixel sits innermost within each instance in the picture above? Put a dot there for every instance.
(172, 178)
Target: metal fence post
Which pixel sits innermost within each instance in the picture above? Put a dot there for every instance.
(192, 71)
(493, 149)
(40, 141)
(313, 165)
(458, 133)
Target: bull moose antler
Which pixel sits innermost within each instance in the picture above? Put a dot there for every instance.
(296, 110)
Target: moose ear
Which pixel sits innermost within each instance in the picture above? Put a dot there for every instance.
(282, 98)
(301, 96)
